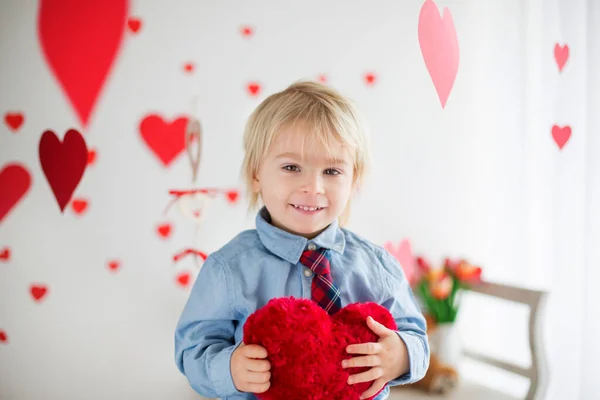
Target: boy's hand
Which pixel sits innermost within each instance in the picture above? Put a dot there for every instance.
(388, 359)
(249, 369)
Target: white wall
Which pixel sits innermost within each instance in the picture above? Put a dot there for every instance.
(468, 180)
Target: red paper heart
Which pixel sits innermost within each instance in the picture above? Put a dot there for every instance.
(114, 265)
(561, 135)
(322, 78)
(80, 41)
(3, 337)
(14, 120)
(164, 230)
(5, 255)
(183, 279)
(306, 346)
(63, 163)
(166, 140)
(188, 67)
(246, 31)
(253, 88)
(370, 78)
(561, 55)
(92, 156)
(15, 181)
(79, 206)
(38, 292)
(134, 24)
(232, 196)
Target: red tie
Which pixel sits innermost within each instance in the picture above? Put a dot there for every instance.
(324, 292)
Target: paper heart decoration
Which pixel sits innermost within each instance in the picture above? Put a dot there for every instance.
(15, 181)
(79, 206)
(183, 279)
(439, 47)
(114, 265)
(403, 253)
(254, 88)
(3, 337)
(561, 55)
(134, 24)
(370, 78)
(194, 205)
(80, 41)
(306, 346)
(14, 120)
(561, 135)
(5, 254)
(63, 163)
(164, 230)
(165, 139)
(247, 31)
(38, 292)
(92, 155)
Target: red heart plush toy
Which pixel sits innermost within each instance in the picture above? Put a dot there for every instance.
(306, 346)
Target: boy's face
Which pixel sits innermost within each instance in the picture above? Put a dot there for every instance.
(304, 189)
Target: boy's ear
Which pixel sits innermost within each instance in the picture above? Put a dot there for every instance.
(255, 184)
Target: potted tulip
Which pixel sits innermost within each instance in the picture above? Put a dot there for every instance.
(440, 292)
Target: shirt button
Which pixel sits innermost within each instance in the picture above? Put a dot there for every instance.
(312, 246)
(307, 272)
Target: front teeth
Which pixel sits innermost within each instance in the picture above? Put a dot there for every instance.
(308, 208)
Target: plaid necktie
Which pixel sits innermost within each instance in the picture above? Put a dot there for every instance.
(324, 292)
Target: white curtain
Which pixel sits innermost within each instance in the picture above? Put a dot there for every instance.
(563, 188)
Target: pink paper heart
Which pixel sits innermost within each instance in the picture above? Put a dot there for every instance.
(439, 47)
(561, 55)
(561, 135)
(403, 253)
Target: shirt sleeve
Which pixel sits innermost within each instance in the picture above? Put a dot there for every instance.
(204, 336)
(412, 327)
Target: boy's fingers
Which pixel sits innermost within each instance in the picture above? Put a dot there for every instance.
(259, 377)
(259, 365)
(254, 351)
(258, 387)
(364, 348)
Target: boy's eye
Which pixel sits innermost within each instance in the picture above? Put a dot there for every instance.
(331, 171)
(291, 168)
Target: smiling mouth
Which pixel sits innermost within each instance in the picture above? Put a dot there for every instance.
(306, 208)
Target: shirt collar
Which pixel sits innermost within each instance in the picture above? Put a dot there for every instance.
(290, 246)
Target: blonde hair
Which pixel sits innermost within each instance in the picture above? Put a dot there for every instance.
(324, 112)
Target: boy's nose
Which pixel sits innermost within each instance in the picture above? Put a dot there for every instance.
(313, 184)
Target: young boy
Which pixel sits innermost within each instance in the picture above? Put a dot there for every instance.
(305, 155)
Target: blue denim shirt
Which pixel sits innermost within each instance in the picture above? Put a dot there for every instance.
(261, 264)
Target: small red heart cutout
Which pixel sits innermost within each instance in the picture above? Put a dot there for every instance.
(164, 230)
(14, 120)
(79, 206)
(92, 154)
(114, 265)
(254, 88)
(5, 254)
(188, 67)
(38, 292)
(165, 139)
(309, 365)
(183, 279)
(561, 135)
(370, 78)
(63, 163)
(232, 196)
(561, 55)
(322, 78)
(15, 181)
(247, 31)
(3, 337)
(134, 24)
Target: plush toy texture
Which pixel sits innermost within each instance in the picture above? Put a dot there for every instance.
(306, 346)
